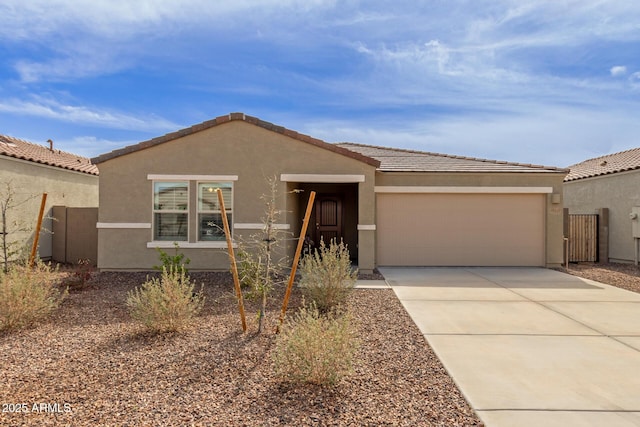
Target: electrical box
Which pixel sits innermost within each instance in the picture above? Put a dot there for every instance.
(635, 221)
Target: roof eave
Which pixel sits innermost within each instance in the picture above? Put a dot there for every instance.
(53, 165)
(228, 118)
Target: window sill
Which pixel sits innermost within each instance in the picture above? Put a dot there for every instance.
(162, 244)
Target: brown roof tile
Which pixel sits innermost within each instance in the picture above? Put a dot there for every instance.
(21, 149)
(232, 117)
(400, 160)
(605, 165)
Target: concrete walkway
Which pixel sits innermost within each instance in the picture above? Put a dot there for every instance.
(530, 346)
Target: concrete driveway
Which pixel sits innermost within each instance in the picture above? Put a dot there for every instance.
(530, 346)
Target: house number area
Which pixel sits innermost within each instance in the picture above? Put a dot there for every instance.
(40, 407)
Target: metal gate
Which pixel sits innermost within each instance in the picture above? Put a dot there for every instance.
(583, 238)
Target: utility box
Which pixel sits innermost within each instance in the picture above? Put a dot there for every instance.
(635, 221)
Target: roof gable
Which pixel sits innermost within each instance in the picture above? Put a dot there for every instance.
(235, 117)
(24, 150)
(400, 160)
(605, 165)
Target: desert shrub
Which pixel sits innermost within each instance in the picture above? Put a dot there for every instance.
(315, 348)
(326, 276)
(27, 295)
(165, 304)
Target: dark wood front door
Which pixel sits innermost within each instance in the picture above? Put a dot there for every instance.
(328, 217)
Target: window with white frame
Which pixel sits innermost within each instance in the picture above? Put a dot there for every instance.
(210, 225)
(171, 211)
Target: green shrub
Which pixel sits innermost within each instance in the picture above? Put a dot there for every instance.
(176, 261)
(314, 348)
(326, 276)
(27, 295)
(166, 304)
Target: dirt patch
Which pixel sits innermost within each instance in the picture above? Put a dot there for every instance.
(91, 365)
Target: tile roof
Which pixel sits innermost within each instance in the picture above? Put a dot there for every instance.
(21, 149)
(235, 117)
(605, 165)
(400, 160)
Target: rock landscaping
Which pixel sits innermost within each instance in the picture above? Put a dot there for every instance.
(90, 364)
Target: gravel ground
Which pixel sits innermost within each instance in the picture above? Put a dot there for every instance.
(625, 276)
(90, 365)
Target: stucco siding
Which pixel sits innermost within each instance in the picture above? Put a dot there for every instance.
(619, 193)
(251, 153)
(63, 187)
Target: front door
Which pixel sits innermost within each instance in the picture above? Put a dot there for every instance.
(328, 216)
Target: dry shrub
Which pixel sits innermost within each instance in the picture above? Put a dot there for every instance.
(167, 304)
(326, 276)
(27, 295)
(314, 348)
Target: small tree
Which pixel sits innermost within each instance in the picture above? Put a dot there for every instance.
(260, 267)
(12, 246)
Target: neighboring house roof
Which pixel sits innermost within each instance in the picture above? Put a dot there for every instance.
(235, 117)
(400, 160)
(24, 150)
(605, 165)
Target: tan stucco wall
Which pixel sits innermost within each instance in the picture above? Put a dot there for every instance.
(236, 148)
(553, 218)
(619, 193)
(63, 187)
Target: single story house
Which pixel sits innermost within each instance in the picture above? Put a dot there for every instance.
(612, 182)
(31, 169)
(392, 207)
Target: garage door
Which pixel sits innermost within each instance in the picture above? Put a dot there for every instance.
(460, 229)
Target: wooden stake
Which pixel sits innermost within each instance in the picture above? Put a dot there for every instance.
(36, 238)
(232, 257)
(296, 258)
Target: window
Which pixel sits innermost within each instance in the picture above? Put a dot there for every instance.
(210, 226)
(186, 210)
(170, 211)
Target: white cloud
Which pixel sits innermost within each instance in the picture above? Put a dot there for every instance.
(557, 136)
(618, 70)
(52, 109)
(112, 35)
(91, 146)
(501, 76)
(118, 19)
(70, 67)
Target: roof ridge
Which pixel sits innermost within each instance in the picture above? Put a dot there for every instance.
(44, 147)
(606, 164)
(229, 118)
(22, 149)
(604, 156)
(452, 156)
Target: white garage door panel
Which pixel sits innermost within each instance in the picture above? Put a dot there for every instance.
(460, 229)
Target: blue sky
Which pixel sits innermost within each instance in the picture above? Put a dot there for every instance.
(550, 82)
